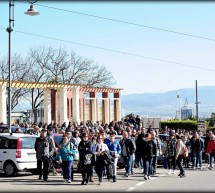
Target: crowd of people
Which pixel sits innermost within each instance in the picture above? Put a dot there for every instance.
(139, 147)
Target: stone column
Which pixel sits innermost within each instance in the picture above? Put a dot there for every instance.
(3, 103)
(117, 106)
(93, 107)
(75, 104)
(62, 106)
(81, 101)
(47, 106)
(106, 107)
(54, 105)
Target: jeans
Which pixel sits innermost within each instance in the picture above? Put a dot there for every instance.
(171, 162)
(113, 167)
(147, 162)
(100, 171)
(128, 163)
(212, 157)
(139, 161)
(154, 164)
(67, 169)
(179, 163)
(197, 158)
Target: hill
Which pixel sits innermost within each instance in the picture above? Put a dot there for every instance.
(166, 104)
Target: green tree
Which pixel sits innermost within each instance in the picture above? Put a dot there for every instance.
(211, 120)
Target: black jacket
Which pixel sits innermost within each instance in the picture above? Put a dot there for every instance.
(84, 148)
(130, 146)
(149, 149)
(139, 142)
(196, 145)
(43, 148)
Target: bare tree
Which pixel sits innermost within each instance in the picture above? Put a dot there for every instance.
(19, 71)
(84, 71)
(46, 64)
(39, 59)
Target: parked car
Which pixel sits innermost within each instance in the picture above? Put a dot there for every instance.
(5, 129)
(17, 153)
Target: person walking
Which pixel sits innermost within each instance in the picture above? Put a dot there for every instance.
(149, 151)
(43, 147)
(197, 145)
(101, 147)
(179, 154)
(115, 151)
(207, 139)
(186, 141)
(139, 149)
(128, 148)
(66, 152)
(84, 148)
(211, 151)
(171, 152)
(158, 150)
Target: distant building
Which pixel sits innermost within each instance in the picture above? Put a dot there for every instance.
(186, 111)
(19, 117)
(40, 115)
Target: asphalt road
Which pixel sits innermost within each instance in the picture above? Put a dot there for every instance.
(196, 180)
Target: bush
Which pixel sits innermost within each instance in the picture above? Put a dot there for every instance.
(187, 125)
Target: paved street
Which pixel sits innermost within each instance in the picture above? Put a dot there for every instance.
(196, 180)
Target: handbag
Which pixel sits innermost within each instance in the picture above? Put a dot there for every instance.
(89, 159)
(185, 153)
(213, 153)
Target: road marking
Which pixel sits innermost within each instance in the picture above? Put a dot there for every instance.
(139, 184)
(131, 188)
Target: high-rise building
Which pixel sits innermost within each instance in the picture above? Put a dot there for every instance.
(186, 111)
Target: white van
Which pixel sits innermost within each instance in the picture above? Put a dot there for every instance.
(17, 153)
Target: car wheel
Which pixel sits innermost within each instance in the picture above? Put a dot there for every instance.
(10, 169)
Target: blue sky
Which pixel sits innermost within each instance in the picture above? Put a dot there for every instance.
(133, 74)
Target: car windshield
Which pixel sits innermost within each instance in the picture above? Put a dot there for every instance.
(28, 142)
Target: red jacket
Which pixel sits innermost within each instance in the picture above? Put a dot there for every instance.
(211, 146)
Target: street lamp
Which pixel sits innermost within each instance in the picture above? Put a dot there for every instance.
(31, 12)
(179, 101)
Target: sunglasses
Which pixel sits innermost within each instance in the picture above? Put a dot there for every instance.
(86, 136)
(101, 138)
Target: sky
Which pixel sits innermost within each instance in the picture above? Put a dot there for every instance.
(189, 58)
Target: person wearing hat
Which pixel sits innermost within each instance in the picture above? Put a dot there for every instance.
(115, 150)
(84, 148)
(43, 148)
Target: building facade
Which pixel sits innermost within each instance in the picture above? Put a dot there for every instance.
(71, 102)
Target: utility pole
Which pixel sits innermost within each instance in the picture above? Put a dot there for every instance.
(197, 109)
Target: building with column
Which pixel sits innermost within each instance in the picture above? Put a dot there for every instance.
(71, 102)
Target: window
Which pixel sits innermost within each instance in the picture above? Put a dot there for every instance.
(12, 144)
(4, 143)
(28, 143)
